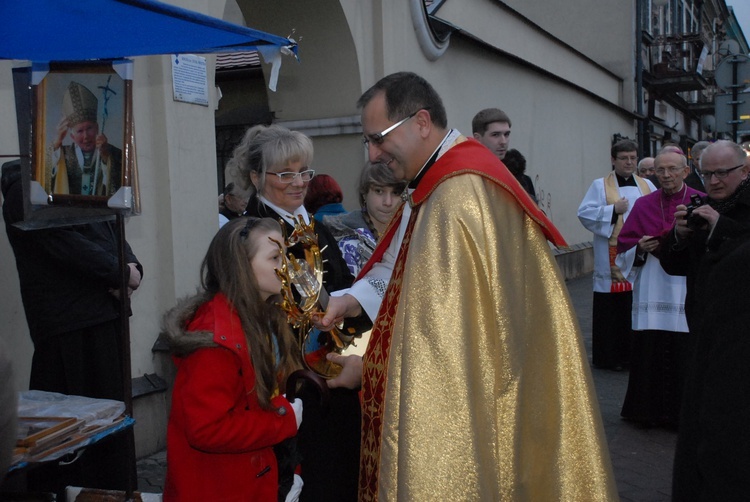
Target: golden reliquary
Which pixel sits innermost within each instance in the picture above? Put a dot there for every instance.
(307, 278)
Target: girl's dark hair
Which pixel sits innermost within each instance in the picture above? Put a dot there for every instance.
(227, 269)
(515, 162)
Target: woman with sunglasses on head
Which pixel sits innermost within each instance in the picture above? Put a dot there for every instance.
(272, 163)
(234, 351)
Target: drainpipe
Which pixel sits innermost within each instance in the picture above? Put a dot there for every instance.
(643, 141)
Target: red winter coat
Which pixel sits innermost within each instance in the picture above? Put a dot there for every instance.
(219, 440)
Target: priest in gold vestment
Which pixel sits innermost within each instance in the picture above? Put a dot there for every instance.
(474, 383)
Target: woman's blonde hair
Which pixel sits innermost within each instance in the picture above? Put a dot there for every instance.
(227, 269)
(262, 148)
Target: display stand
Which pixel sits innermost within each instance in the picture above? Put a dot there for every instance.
(58, 429)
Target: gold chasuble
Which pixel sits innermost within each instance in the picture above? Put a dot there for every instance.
(475, 382)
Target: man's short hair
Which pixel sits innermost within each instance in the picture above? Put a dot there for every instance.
(683, 159)
(624, 145)
(699, 147)
(407, 93)
(644, 159)
(739, 153)
(486, 117)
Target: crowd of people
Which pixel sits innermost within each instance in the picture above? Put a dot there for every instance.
(429, 201)
(474, 384)
(669, 267)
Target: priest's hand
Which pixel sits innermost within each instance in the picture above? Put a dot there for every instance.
(622, 205)
(339, 307)
(351, 376)
(647, 244)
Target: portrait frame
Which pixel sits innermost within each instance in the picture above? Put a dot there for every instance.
(82, 141)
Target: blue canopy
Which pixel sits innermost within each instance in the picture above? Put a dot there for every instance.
(79, 30)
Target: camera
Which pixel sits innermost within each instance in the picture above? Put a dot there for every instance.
(693, 220)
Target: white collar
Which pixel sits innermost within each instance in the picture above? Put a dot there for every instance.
(290, 218)
(443, 147)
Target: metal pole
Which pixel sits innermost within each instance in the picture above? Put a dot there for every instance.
(125, 346)
(735, 97)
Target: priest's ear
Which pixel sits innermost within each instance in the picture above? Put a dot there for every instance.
(423, 120)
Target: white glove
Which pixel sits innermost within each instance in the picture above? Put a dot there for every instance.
(297, 407)
(296, 490)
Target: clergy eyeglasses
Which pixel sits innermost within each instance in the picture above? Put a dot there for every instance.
(625, 158)
(673, 170)
(378, 137)
(719, 173)
(289, 177)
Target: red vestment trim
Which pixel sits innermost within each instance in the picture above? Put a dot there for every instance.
(483, 163)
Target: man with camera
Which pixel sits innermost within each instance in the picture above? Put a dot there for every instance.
(710, 244)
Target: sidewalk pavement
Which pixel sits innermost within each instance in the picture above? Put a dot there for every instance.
(642, 458)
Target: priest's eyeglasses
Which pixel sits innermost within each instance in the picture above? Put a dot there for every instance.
(626, 158)
(673, 170)
(378, 137)
(289, 177)
(719, 173)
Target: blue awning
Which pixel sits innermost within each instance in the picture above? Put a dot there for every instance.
(79, 30)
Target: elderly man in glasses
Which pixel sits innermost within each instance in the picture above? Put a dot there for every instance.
(659, 326)
(710, 244)
(474, 382)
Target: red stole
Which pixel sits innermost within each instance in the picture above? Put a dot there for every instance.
(483, 163)
(376, 359)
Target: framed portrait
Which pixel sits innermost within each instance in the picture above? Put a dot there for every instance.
(82, 141)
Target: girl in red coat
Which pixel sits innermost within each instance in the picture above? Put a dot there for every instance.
(233, 350)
